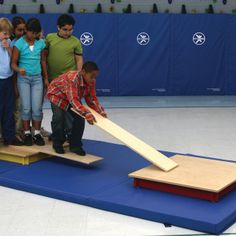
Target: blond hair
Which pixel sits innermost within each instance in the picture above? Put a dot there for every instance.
(5, 25)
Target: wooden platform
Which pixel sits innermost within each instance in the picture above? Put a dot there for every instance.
(137, 145)
(87, 159)
(26, 155)
(195, 177)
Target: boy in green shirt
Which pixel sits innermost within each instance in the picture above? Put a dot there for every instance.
(64, 49)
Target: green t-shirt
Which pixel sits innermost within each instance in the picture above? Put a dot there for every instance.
(61, 54)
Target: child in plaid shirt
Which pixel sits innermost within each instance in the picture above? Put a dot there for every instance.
(65, 92)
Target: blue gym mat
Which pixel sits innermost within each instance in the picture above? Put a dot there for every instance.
(106, 186)
(6, 166)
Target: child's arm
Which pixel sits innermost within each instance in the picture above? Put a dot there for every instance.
(6, 45)
(73, 98)
(14, 62)
(44, 68)
(92, 101)
(79, 62)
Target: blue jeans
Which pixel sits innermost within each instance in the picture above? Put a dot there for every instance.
(31, 95)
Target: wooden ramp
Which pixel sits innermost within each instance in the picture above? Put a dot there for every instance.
(137, 145)
(47, 149)
(196, 177)
(26, 155)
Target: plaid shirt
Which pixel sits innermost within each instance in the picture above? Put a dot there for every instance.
(69, 89)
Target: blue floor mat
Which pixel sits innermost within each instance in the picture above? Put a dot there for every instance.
(5, 166)
(106, 186)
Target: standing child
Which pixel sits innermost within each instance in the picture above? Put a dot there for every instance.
(65, 92)
(7, 103)
(64, 50)
(28, 61)
(18, 23)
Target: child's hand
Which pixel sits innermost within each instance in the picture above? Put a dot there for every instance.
(91, 120)
(22, 71)
(5, 43)
(104, 114)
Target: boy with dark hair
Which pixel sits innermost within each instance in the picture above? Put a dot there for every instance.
(65, 92)
(64, 51)
(65, 20)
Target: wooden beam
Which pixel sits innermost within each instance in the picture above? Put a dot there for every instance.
(137, 145)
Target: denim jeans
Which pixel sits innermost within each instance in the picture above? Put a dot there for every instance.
(66, 123)
(31, 95)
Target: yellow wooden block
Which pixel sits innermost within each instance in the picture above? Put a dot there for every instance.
(24, 160)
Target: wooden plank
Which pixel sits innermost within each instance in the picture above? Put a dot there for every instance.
(137, 145)
(20, 151)
(47, 149)
(196, 173)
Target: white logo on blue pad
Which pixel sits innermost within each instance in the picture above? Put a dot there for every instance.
(143, 38)
(199, 38)
(86, 38)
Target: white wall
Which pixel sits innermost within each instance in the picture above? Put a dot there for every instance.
(32, 6)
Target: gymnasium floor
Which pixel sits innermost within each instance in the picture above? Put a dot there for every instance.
(197, 125)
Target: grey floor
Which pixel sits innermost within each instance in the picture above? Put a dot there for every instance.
(208, 131)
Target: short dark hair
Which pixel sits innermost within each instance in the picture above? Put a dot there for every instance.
(65, 19)
(33, 25)
(90, 66)
(17, 20)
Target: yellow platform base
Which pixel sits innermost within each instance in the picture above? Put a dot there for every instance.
(23, 160)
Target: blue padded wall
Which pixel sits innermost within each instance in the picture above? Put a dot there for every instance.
(169, 64)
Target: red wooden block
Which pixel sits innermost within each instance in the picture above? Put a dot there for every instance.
(189, 192)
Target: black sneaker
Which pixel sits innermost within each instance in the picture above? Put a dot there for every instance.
(15, 142)
(38, 140)
(59, 149)
(78, 150)
(28, 141)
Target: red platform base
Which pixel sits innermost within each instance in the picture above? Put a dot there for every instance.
(189, 192)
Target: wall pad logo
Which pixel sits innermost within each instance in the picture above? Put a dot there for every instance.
(86, 38)
(143, 38)
(199, 38)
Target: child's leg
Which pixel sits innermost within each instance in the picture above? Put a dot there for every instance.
(18, 121)
(58, 126)
(7, 109)
(37, 113)
(24, 88)
(37, 94)
(77, 130)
